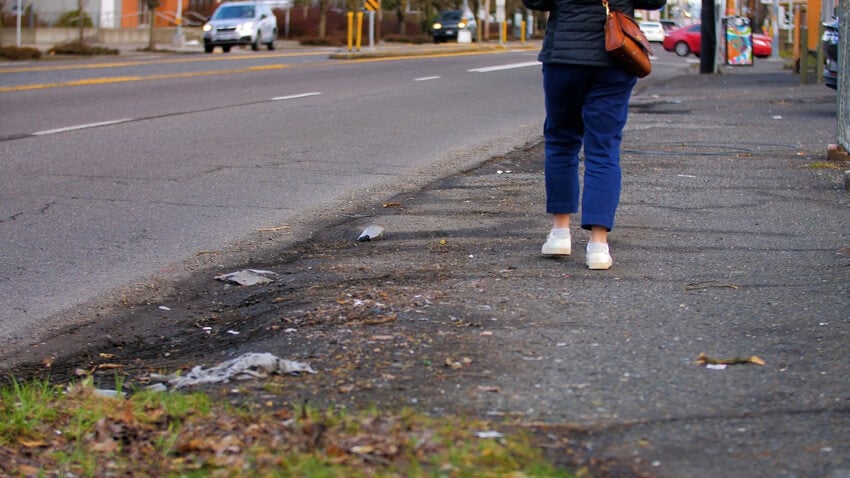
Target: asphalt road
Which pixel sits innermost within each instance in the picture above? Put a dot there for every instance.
(114, 170)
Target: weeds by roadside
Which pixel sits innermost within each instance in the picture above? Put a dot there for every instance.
(49, 429)
(78, 48)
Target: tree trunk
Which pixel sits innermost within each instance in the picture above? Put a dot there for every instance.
(323, 18)
(81, 20)
(151, 43)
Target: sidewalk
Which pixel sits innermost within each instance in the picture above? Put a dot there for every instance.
(733, 240)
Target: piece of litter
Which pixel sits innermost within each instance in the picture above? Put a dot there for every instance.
(246, 366)
(109, 393)
(371, 233)
(248, 277)
(777, 117)
(232, 332)
(686, 176)
(489, 434)
(716, 366)
(162, 307)
(157, 387)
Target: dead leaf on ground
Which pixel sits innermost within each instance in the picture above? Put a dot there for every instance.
(273, 229)
(489, 388)
(704, 359)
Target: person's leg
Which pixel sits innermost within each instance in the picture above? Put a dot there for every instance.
(605, 115)
(563, 87)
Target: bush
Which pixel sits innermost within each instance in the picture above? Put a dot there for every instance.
(72, 19)
(77, 48)
(412, 39)
(20, 53)
(327, 41)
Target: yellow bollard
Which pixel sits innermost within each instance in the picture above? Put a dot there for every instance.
(359, 29)
(350, 16)
(504, 38)
(522, 32)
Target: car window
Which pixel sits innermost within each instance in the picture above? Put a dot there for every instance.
(235, 11)
(450, 16)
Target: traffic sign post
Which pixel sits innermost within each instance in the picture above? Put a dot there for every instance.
(372, 6)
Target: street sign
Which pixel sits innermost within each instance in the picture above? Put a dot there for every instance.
(373, 5)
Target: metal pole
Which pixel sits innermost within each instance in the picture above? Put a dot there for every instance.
(774, 26)
(18, 30)
(371, 29)
(843, 113)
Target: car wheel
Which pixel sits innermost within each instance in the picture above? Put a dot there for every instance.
(436, 40)
(256, 45)
(271, 43)
(225, 48)
(682, 49)
(208, 48)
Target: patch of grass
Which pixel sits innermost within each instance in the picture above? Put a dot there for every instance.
(825, 165)
(327, 41)
(23, 407)
(411, 39)
(48, 430)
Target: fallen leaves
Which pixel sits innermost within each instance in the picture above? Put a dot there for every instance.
(704, 359)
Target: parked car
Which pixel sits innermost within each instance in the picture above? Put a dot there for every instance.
(830, 49)
(240, 23)
(687, 40)
(450, 22)
(653, 31)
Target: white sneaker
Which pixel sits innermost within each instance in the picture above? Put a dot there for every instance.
(557, 243)
(598, 257)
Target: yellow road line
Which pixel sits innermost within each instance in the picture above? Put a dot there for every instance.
(123, 79)
(122, 64)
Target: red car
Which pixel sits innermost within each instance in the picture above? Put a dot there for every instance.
(687, 39)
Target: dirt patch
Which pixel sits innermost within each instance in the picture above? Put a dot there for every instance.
(408, 321)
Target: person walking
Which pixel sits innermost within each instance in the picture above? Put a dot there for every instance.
(587, 100)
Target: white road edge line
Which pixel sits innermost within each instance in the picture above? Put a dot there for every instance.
(488, 69)
(81, 126)
(426, 78)
(292, 97)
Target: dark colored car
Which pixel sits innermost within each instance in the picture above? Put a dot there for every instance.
(669, 25)
(450, 22)
(830, 49)
(687, 40)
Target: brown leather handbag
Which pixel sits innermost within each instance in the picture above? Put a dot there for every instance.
(626, 43)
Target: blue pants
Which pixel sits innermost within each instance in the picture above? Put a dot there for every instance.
(585, 105)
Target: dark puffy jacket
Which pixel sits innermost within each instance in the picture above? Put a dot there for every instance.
(575, 30)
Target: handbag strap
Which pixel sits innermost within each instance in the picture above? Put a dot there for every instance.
(607, 10)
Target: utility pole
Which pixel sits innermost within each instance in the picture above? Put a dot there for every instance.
(843, 112)
(708, 41)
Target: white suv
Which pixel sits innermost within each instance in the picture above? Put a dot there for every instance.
(240, 23)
